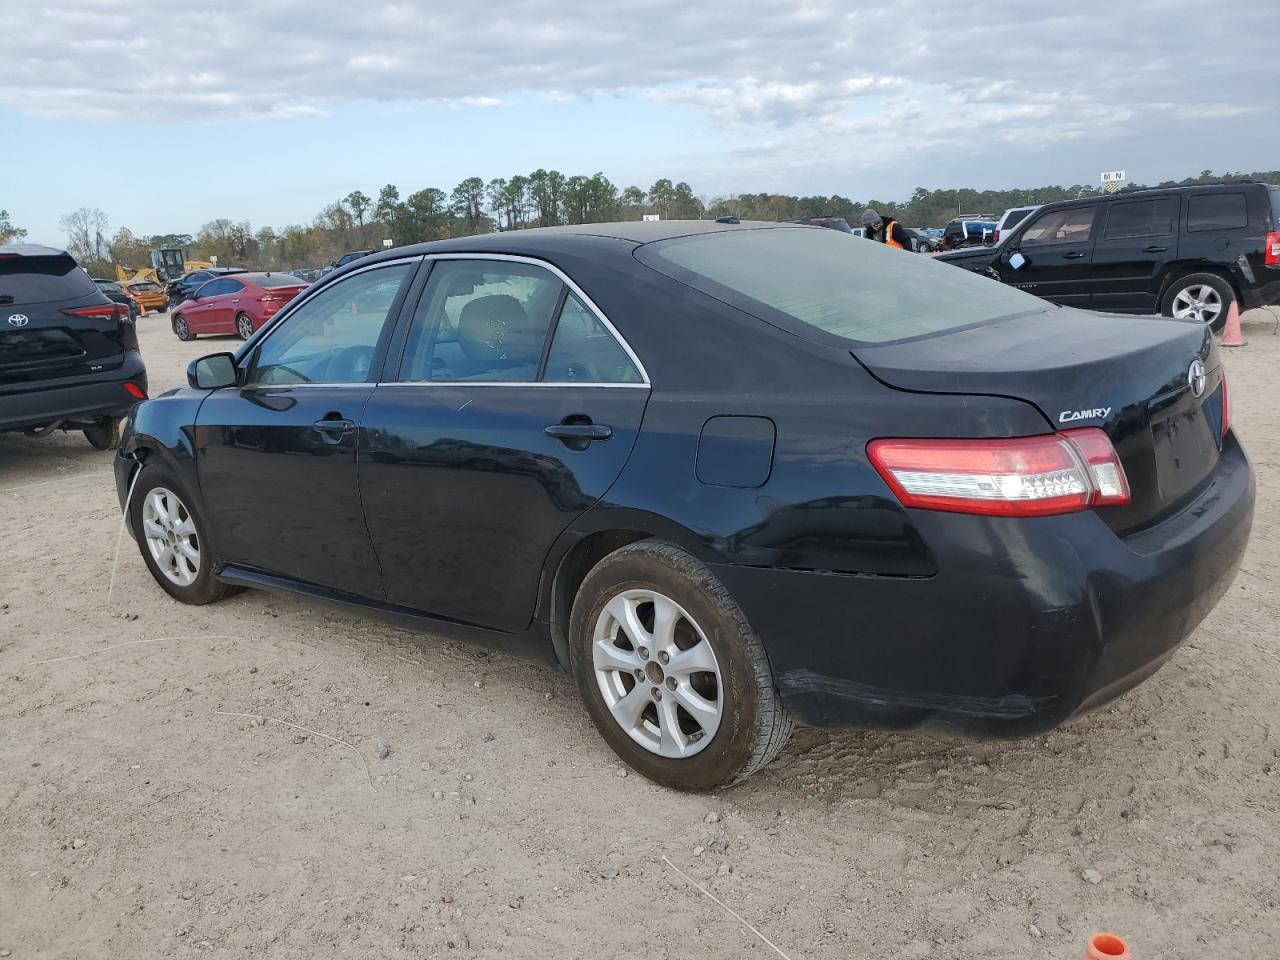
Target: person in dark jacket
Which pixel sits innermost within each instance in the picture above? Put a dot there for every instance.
(888, 232)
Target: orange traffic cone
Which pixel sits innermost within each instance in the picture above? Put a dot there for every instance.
(1106, 946)
(1231, 335)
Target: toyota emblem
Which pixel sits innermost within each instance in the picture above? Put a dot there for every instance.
(1196, 378)
(19, 320)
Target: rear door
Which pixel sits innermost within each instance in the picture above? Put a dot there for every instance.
(54, 321)
(513, 411)
(1138, 240)
(277, 456)
(1057, 250)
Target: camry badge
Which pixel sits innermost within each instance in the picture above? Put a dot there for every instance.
(18, 320)
(1196, 378)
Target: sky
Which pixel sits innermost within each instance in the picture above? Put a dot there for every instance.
(169, 115)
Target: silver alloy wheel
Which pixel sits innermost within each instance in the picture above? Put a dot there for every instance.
(657, 673)
(170, 532)
(1198, 302)
(244, 326)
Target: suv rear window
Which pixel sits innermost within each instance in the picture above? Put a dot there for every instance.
(42, 279)
(1217, 211)
(864, 292)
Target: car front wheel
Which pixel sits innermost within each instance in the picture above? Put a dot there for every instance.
(670, 671)
(173, 538)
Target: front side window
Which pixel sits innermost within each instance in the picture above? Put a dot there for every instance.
(481, 320)
(332, 337)
(583, 350)
(1217, 211)
(1073, 225)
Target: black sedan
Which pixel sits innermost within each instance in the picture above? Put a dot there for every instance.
(731, 476)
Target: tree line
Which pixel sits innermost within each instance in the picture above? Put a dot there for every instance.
(542, 198)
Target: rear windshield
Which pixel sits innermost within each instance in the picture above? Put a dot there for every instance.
(42, 280)
(861, 291)
(270, 280)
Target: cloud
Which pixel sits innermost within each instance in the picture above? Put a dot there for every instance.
(899, 77)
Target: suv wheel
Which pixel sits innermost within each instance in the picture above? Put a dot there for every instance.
(173, 539)
(671, 673)
(244, 326)
(105, 435)
(180, 328)
(1199, 297)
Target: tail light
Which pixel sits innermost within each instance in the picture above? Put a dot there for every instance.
(107, 311)
(1016, 477)
(1273, 248)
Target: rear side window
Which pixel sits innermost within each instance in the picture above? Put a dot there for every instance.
(1139, 218)
(42, 280)
(865, 292)
(1217, 211)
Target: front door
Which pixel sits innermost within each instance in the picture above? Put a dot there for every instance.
(277, 455)
(514, 410)
(1139, 238)
(1056, 247)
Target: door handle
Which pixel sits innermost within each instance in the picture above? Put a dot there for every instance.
(579, 431)
(1074, 255)
(333, 427)
(1154, 249)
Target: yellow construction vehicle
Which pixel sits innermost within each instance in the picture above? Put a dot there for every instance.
(167, 264)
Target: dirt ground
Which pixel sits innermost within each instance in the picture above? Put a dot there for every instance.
(444, 802)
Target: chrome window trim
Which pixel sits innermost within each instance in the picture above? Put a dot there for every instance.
(581, 295)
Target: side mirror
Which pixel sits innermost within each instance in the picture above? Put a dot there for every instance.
(213, 372)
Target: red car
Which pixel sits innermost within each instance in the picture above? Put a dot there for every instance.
(237, 304)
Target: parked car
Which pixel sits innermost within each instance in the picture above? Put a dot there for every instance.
(237, 304)
(914, 498)
(115, 293)
(1011, 218)
(69, 355)
(1185, 252)
(182, 288)
(965, 232)
(146, 294)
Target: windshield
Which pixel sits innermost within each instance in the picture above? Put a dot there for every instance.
(861, 291)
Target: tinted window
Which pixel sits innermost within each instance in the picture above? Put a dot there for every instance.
(269, 281)
(42, 279)
(1217, 211)
(584, 350)
(1139, 218)
(332, 337)
(481, 320)
(1073, 225)
(862, 291)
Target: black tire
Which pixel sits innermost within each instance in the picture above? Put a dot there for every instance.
(105, 435)
(753, 724)
(181, 330)
(1221, 287)
(244, 322)
(205, 588)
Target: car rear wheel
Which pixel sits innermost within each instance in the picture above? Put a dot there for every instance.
(1199, 297)
(180, 328)
(244, 326)
(105, 435)
(671, 673)
(173, 539)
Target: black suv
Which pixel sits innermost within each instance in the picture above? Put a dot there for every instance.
(68, 355)
(186, 285)
(1186, 252)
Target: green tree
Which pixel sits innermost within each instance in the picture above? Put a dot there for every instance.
(8, 232)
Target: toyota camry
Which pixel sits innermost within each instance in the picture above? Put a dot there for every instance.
(731, 476)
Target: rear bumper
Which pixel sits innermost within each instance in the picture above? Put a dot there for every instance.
(1027, 623)
(44, 402)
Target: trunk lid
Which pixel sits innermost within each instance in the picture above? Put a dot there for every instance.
(1131, 376)
(38, 339)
